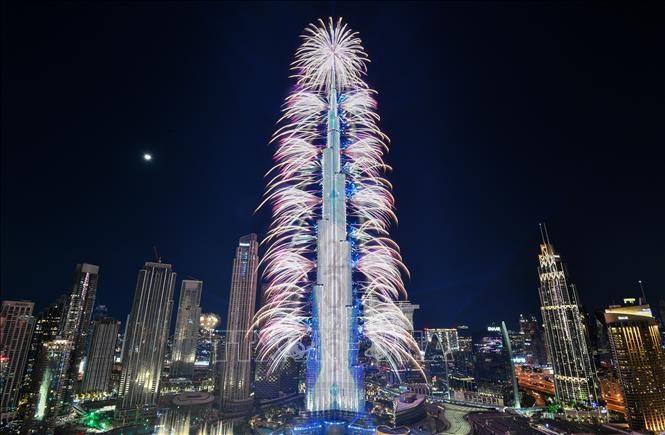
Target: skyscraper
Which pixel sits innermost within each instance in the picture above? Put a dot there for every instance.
(50, 382)
(640, 361)
(333, 272)
(16, 326)
(145, 342)
(533, 339)
(97, 378)
(407, 309)
(236, 367)
(47, 328)
(76, 321)
(447, 337)
(567, 336)
(186, 329)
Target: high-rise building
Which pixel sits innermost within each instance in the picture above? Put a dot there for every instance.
(50, 383)
(464, 338)
(407, 309)
(329, 197)
(566, 332)
(464, 358)
(534, 347)
(436, 358)
(145, 341)
(186, 329)
(236, 367)
(447, 337)
(47, 328)
(97, 378)
(640, 361)
(206, 352)
(16, 327)
(76, 321)
(282, 381)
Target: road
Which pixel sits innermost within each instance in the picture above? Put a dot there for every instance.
(454, 415)
(542, 383)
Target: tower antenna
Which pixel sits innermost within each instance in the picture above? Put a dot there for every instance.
(157, 257)
(547, 236)
(644, 296)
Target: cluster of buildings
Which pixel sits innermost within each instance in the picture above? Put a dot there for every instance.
(72, 359)
(58, 363)
(572, 364)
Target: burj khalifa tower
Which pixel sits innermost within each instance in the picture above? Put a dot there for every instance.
(334, 275)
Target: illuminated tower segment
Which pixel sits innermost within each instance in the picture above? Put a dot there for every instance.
(331, 383)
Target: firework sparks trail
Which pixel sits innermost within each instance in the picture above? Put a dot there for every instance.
(329, 133)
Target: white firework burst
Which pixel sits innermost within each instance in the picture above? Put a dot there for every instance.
(331, 55)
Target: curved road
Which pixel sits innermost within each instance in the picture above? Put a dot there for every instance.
(454, 417)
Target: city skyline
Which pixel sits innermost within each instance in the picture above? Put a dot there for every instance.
(390, 279)
(484, 220)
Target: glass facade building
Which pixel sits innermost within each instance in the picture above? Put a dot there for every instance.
(16, 327)
(640, 361)
(235, 385)
(145, 341)
(186, 333)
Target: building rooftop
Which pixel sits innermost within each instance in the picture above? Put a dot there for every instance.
(197, 398)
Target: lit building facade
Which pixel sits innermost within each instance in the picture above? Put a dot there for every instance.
(534, 348)
(77, 320)
(334, 375)
(407, 309)
(271, 385)
(97, 378)
(47, 328)
(51, 377)
(145, 341)
(206, 351)
(447, 337)
(16, 327)
(565, 330)
(186, 333)
(237, 364)
(640, 361)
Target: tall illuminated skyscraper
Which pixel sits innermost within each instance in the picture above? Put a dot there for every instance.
(333, 272)
(640, 360)
(186, 329)
(97, 379)
(567, 336)
(50, 382)
(237, 364)
(47, 328)
(16, 326)
(145, 342)
(76, 321)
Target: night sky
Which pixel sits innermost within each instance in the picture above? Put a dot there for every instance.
(501, 115)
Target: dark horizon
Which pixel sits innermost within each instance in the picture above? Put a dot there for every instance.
(501, 116)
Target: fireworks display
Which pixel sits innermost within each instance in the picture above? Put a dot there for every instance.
(331, 108)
